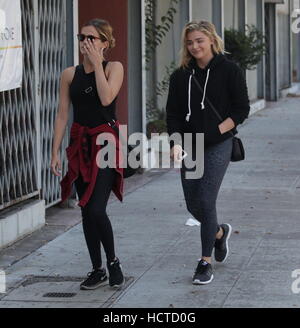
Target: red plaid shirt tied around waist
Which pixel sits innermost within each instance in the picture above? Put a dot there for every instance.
(82, 160)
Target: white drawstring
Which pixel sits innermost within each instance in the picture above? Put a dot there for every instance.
(207, 76)
(189, 97)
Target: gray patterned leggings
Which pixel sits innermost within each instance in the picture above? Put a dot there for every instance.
(201, 194)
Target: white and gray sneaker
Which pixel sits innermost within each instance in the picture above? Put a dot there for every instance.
(203, 274)
(95, 279)
(221, 245)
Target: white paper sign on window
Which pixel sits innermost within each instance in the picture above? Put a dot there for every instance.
(11, 61)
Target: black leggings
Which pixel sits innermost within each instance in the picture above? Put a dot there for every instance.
(201, 194)
(96, 224)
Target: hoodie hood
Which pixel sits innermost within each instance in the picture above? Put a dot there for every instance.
(193, 68)
(214, 62)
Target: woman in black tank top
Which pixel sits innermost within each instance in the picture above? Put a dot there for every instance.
(87, 107)
(92, 87)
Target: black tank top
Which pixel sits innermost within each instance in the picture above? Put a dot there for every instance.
(87, 106)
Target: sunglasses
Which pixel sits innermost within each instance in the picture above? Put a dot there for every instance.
(81, 37)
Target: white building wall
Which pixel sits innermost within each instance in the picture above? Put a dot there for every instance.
(251, 75)
(284, 44)
(201, 10)
(168, 51)
(230, 14)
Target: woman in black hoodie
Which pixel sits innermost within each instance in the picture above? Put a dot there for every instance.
(190, 110)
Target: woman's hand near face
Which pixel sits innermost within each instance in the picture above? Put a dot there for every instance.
(94, 54)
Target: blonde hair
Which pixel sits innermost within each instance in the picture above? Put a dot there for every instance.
(104, 30)
(209, 30)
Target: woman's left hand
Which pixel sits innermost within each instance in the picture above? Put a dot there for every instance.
(221, 128)
(95, 57)
(226, 125)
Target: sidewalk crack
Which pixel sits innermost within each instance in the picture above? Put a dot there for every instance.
(242, 271)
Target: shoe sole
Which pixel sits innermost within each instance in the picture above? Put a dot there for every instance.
(118, 286)
(227, 247)
(198, 282)
(93, 287)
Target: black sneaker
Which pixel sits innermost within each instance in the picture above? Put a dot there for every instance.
(203, 273)
(94, 280)
(221, 245)
(116, 278)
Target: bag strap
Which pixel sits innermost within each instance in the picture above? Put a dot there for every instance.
(210, 104)
(112, 123)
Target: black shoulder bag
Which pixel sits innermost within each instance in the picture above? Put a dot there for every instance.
(238, 152)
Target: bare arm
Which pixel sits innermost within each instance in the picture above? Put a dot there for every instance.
(61, 117)
(108, 88)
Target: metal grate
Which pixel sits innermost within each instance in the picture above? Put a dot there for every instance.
(59, 295)
(18, 158)
(27, 114)
(52, 61)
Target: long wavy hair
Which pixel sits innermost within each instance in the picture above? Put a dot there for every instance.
(209, 30)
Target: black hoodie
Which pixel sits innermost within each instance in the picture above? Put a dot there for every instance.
(223, 83)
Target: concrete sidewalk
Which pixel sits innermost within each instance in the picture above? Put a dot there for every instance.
(259, 197)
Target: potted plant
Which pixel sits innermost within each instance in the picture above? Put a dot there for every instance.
(245, 49)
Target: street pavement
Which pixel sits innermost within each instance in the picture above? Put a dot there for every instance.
(259, 197)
